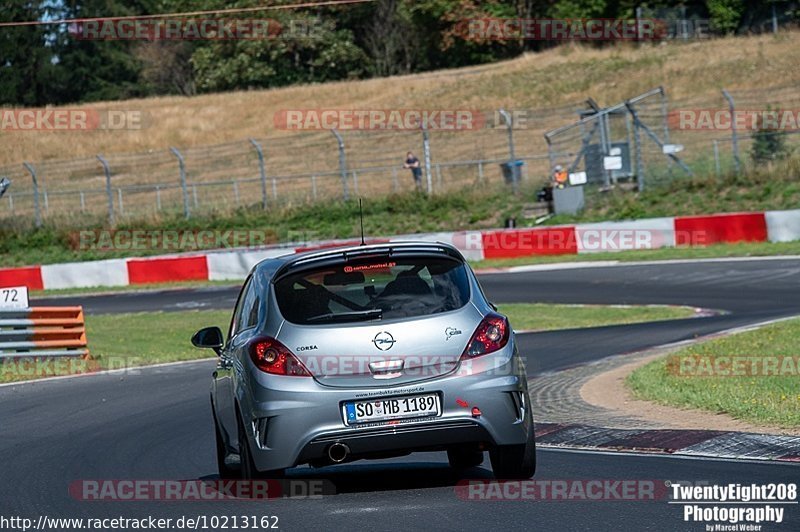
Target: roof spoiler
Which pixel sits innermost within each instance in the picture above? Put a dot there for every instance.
(332, 256)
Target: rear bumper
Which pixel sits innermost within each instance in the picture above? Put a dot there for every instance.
(295, 420)
(428, 436)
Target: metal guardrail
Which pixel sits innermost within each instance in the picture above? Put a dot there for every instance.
(43, 332)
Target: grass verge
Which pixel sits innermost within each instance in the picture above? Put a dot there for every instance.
(547, 317)
(716, 251)
(743, 249)
(119, 341)
(761, 399)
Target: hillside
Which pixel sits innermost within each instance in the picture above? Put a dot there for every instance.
(559, 77)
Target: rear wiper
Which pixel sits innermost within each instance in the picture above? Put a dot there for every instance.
(357, 315)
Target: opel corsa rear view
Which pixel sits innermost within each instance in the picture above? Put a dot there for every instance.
(367, 352)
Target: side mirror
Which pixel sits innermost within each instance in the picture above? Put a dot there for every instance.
(208, 338)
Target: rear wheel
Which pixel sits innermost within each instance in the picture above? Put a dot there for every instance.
(249, 471)
(515, 462)
(464, 458)
(225, 471)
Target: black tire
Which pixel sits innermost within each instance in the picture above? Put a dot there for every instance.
(464, 458)
(515, 462)
(225, 471)
(248, 470)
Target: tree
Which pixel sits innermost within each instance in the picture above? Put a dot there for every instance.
(90, 70)
(726, 15)
(26, 67)
(769, 144)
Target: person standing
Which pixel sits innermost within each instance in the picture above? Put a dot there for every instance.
(413, 164)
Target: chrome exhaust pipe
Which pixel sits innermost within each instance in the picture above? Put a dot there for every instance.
(338, 452)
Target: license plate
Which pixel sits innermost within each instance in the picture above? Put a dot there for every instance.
(391, 408)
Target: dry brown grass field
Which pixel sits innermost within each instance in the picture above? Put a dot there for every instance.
(212, 130)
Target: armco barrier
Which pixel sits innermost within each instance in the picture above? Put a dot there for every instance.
(43, 332)
(29, 276)
(720, 228)
(524, 242)
(234, 264)
(783, 226)
(163, 270)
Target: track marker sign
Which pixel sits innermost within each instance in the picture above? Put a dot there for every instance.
(612, 163)
(578, 178)
(14, 297)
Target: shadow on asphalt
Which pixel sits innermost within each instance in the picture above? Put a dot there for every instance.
(373, 477)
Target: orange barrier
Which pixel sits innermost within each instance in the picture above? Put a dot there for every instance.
(43, 331)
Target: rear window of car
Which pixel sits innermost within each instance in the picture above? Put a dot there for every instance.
(391, 288)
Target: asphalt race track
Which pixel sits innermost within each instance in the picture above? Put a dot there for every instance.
(156, 424)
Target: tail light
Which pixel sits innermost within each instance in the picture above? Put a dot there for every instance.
(271, 356)
(490, 336)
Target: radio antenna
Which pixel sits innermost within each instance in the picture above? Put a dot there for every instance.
(361, 217)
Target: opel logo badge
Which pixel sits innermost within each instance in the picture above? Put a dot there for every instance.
(383, 341)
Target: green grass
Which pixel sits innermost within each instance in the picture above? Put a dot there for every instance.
(119, 341)
(97, 290)
(469, 208)
(546, 317)
(742, 249)
(767, 400)
(150, 337)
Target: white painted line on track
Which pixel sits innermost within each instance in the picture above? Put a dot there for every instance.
(704, 458)
(620, 263)
(111, 372)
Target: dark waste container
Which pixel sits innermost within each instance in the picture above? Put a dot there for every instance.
(512, 171)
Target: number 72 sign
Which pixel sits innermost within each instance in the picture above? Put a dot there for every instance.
(14, 297)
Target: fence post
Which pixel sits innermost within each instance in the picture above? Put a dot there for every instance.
(314, 187)
(37, 211)
(119, 196)
(637, 146)
(512, 158)
(551, 157)
(83, 202)
(107, 171)
(426, 154)
(734, 136)
(158, 198)
(342, 164)
(355, 182)
(716, 158)
(395, 183)
(236, 192)
(605, 147)
(480, 171)
(262, 173)
(182, 168)
(11, 203)
(665, 116)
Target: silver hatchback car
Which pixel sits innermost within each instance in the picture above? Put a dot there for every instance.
(367, 352)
